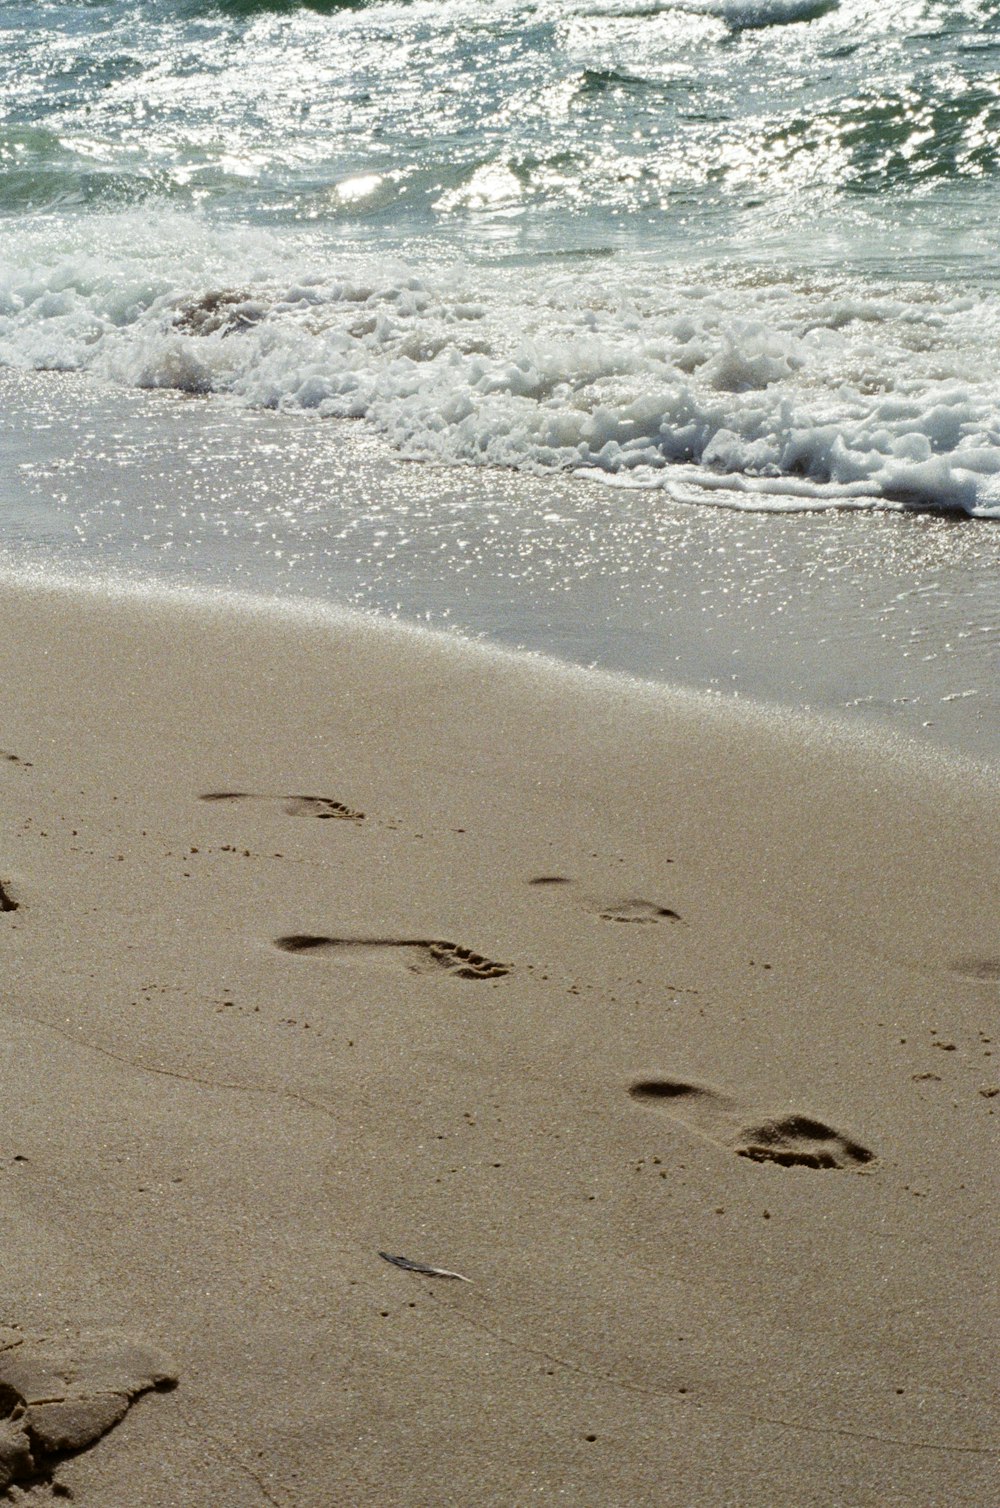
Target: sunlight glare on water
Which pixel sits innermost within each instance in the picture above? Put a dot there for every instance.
(729, 257)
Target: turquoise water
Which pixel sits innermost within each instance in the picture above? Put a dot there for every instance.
(855, 134)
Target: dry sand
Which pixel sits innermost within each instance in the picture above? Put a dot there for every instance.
(585, 947)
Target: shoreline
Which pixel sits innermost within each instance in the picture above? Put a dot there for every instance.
(728, 711)
(666, 1025)
(884, 620)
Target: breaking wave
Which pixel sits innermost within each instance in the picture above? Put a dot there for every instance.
(757, 392)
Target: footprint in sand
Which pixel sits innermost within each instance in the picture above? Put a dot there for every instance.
(322, 807)
(985, 969)
(15, 759)
(417, 955)
(59, 1397)
(634, 909)
(7, 901)
(790, 1140)
(637, 911)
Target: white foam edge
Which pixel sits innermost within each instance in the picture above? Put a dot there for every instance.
(748, 494)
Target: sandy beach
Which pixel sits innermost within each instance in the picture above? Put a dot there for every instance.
(669, 1026)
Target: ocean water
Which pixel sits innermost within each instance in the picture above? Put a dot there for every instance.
(734, 260)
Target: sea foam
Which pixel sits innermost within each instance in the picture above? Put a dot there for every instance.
(752, 391)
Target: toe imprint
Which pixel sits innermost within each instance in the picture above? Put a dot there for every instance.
(462, 962)
(790, 1140)
(800, 1141)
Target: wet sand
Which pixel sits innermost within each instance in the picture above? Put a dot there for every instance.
(887, 619)
(668, 1025)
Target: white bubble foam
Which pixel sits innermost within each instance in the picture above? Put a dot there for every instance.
(757, 393)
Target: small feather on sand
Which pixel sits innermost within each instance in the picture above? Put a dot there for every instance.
(421, 1267)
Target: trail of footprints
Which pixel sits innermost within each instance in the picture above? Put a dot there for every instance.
(422, 955)
(55, 1401)
(418, 955)
(789, 1140)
